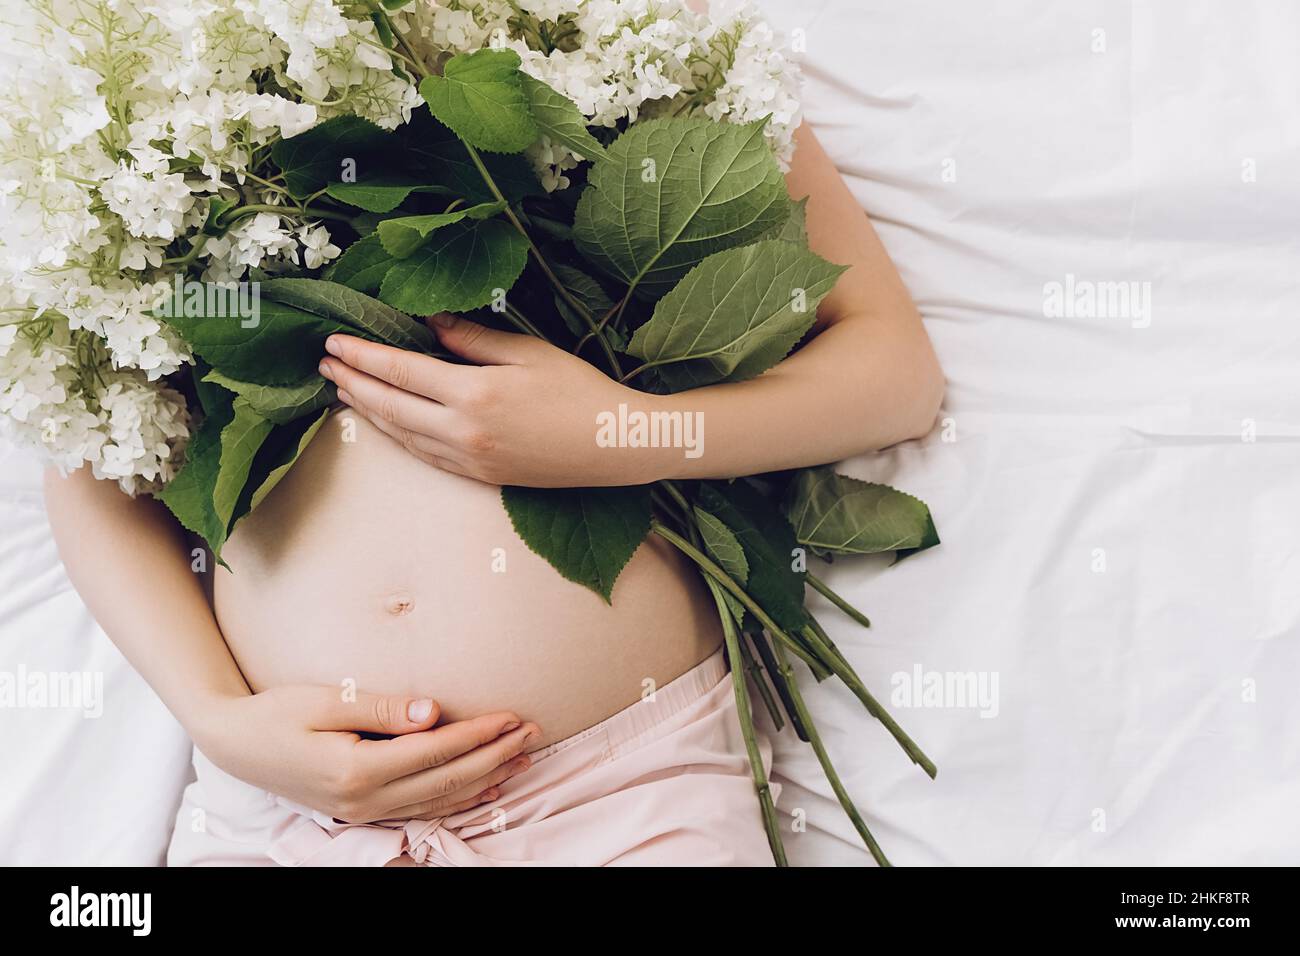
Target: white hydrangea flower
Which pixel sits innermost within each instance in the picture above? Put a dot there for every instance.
(146, 428)
(316, 246)
(152, 204)
(619, 60)
(129, 429)
(121, 122)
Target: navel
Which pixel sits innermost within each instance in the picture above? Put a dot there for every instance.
(399, 603)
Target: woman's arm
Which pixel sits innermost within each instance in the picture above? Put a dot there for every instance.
(126, 557)
(867, 379)
(128, 561)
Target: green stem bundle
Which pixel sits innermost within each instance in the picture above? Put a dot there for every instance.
(811, 644)
(761, 785)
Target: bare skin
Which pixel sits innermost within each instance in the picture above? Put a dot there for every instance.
(130, 563)
(427, 584)
(867, 380)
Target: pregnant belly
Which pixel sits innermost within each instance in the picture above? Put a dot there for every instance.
(366, 567)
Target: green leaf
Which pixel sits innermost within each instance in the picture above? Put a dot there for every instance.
(370, 317)
(240, 441)
(313, 159)
(402, 236)
(586, 291)
(480, 97)
(280, 404)
(794, 229)
(561, 120)
(280, 345)
(213, 398)
(584, 288)
(435, 154)
(285, 457)
(587, 534)
(735, 315)
(189, 494)
(458, 269)
(770, 548)
(841, 515)
(362, 266)
(673, 191)
(282, 341)
(380, 194)
(724, 547)
(382, 28)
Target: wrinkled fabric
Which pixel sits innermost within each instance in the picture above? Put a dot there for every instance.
(665, 782)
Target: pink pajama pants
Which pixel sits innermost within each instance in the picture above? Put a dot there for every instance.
(665, 782)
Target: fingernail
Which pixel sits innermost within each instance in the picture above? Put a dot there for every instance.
(522, 764)
(344, 397)
(487, 796)
(444, 320)
(418, 711)
(531, 736)
(332, 345)
(509, 727)
(324, 369)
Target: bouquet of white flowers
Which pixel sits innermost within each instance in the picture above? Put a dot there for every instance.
(196, 194)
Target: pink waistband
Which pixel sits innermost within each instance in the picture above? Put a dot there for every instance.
(310, 838)
(632, 722)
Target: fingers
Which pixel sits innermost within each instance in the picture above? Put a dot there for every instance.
(457, 774)
(437, 809)
(492, 779)
(382, 402)
(408, 371)
(483, 790)
(373, 713)
(429, 450)
(480, 344)
(385, 761)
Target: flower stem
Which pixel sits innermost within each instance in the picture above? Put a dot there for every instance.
(579, 309)
(769, 662)
(812, 649)
(755, 671)
(637, 371)
(761, 785)
(710, 568)
(825, 638)
(675, 493)
(308, 212)
(849, 677)
(815, 741)
(195, 248)
(522, 322)
(820, 587)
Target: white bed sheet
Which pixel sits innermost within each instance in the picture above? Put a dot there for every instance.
(1122, 735)
(74, 789)
(1120, 692)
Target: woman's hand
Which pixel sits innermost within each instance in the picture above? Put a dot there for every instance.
(303, 743)
(525, 414)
